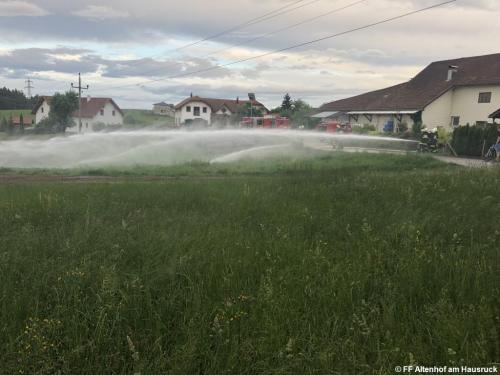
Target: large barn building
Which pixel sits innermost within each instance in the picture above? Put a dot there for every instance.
(445, 94)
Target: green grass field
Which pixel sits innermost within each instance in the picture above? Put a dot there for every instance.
(6, 113)
(347, 264)
(140, 117)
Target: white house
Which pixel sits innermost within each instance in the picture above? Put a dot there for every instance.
(96, 113)
(164, 109)
(208, 112)
(445, 94)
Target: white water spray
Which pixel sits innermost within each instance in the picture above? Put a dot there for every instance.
(164, 147)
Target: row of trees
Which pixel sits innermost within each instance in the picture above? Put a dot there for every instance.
(15, 99)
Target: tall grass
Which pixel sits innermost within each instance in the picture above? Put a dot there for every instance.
(350, 270)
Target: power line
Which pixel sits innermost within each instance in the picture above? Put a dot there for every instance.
(265, 35)
(295, 46)
(253, 21)
(288, 27)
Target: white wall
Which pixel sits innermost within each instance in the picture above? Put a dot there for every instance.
(181, 115)
(438, 113)
(464, 103)
(227, 113)
(107, 118)
(43, 112)
(379, 121)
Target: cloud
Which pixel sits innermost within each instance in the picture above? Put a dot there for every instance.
(100, 13)
(19, 62)
(17, 8)
(356, 62)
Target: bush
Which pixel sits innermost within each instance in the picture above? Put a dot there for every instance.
(130, 119)
(364, 129)
(403, 127)
(473, 140)
(98, 126)
(416, 129)
(45, 126)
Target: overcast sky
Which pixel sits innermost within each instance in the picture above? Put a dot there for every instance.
(120, 46)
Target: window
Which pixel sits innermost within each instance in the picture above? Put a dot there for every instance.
(481, 123)
(204, 109)
(455, 121)
(114, 112)
(196, 111)
(188, 109)
(102, 112)
(484, 97)
(42, 109)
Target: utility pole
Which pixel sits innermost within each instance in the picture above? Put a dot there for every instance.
(29, 86)
(80, 88)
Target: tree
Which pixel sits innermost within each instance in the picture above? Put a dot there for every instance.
(287, 103)
(10, 126)
(61, 109)
(246, 111)
(4, 125)
(15, 99)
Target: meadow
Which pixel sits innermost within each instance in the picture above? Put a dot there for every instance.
(338, 264)
(141, 118)
(6, 113)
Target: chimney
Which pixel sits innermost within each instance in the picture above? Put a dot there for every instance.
(237, 100)
(88, 98)
(452, 69)
(191, 95)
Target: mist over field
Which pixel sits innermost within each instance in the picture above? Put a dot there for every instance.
(161, 147)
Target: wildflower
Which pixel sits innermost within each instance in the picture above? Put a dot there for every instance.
(131, 346)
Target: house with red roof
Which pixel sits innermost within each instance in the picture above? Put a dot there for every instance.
(97, 113)
(445, 94)
(208, 111)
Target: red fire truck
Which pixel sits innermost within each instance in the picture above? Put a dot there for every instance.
(332, 126)
(266, 122)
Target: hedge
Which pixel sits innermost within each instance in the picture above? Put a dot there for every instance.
(469, 140)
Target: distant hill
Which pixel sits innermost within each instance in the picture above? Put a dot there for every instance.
(15, 99)
(144, 117)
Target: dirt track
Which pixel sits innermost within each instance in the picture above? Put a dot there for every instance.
(37, 179)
